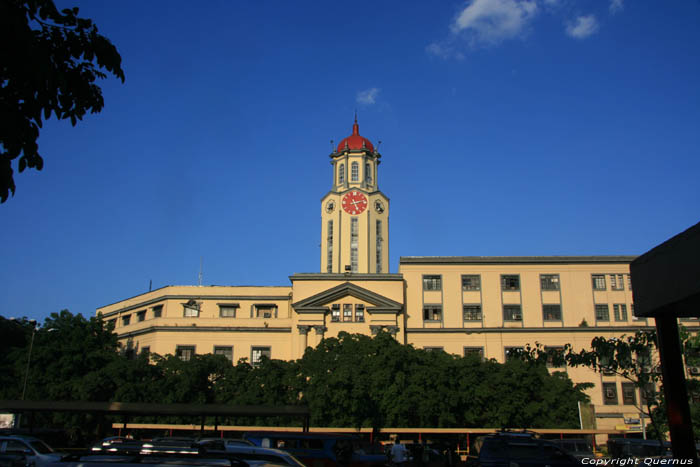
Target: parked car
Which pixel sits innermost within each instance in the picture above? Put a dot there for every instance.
(319, 449)
(637, 448)
(249, 453)
(35, 451)
(578, 447)
(223, 442)
(522, 449)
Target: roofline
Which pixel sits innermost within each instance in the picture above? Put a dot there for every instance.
(618, 259)
(161, 297)
(332, 276)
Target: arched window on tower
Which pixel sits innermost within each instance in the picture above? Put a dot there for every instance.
(341, 174)
(354, 172)
(368, 173)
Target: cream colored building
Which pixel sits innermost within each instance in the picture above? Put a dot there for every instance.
(461, 305)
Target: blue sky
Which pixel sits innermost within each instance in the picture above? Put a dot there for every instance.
(508, 127)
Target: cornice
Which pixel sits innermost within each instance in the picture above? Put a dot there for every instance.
(160, 298)
(617, 259)
(576, 329)
(315, 302)
(321, 276)
(151, 329)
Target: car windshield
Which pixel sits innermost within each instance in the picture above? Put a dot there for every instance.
(40, 446)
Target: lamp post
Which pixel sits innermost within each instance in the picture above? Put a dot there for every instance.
(29, 358)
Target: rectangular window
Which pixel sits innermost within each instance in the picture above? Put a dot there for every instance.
(512, 313)
(354, 172)
(432, 312)
(610, 393)
(265, 311)
(602, 312)
(354, 235)
(347, 312)
(551, 312)
(474, 351)
(471, 282)
(512, 352)
(510, 282)
(549, 281)
(158, 311)
(329, 247)
(432, 283)
(360, 313)
(191, 310)
(111, 324)
(472, 312)
(226, 351)
(629, 282)
(434, 349)
(141, 316)
(617, 282)
(184, 352)
(258, 353)
(126, 320)
(335, 313)
(598, 281)
(629, 396)
(555, 357)
(380, 240)
(620, 311)
(227, 310)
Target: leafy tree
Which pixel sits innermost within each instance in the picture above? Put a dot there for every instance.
(631, 357)
(49, 64)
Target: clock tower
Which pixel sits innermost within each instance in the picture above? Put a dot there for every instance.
(354, 213)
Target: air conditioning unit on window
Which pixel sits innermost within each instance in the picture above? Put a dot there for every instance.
(694, 370)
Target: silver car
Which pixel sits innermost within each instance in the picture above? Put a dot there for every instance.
(35, 451)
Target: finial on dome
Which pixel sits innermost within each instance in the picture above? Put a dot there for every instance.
(355, 126)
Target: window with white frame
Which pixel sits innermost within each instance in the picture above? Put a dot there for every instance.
(335, 313)
(368, 173)
(258, 353)
(354, 172)
(551, 312)
(472, 312)
(341, 174)
(629, 282)
(380, 241)
(512, 353)
(434, 349)
(347, 312)
(432, 312)
(512, 313)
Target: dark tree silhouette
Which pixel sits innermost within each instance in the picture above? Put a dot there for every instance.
(49, 63)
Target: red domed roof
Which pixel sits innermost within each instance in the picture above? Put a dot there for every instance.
(355, 141)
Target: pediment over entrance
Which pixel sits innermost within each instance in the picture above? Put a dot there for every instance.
(320, 302)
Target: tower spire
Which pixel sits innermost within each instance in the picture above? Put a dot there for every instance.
(355, 126)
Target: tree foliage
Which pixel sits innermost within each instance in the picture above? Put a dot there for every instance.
(349, 381)
(50, 62)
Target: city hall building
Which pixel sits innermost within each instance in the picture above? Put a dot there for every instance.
(459, 304)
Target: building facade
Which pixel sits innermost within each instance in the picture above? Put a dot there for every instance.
(462, 305)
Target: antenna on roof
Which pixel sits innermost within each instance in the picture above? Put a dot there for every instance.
(150, 285)
(200, 271)
(331, 145)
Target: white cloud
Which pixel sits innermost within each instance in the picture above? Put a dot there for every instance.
(493, 21)
(616, 5)
(582, 27)
(368, 96)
